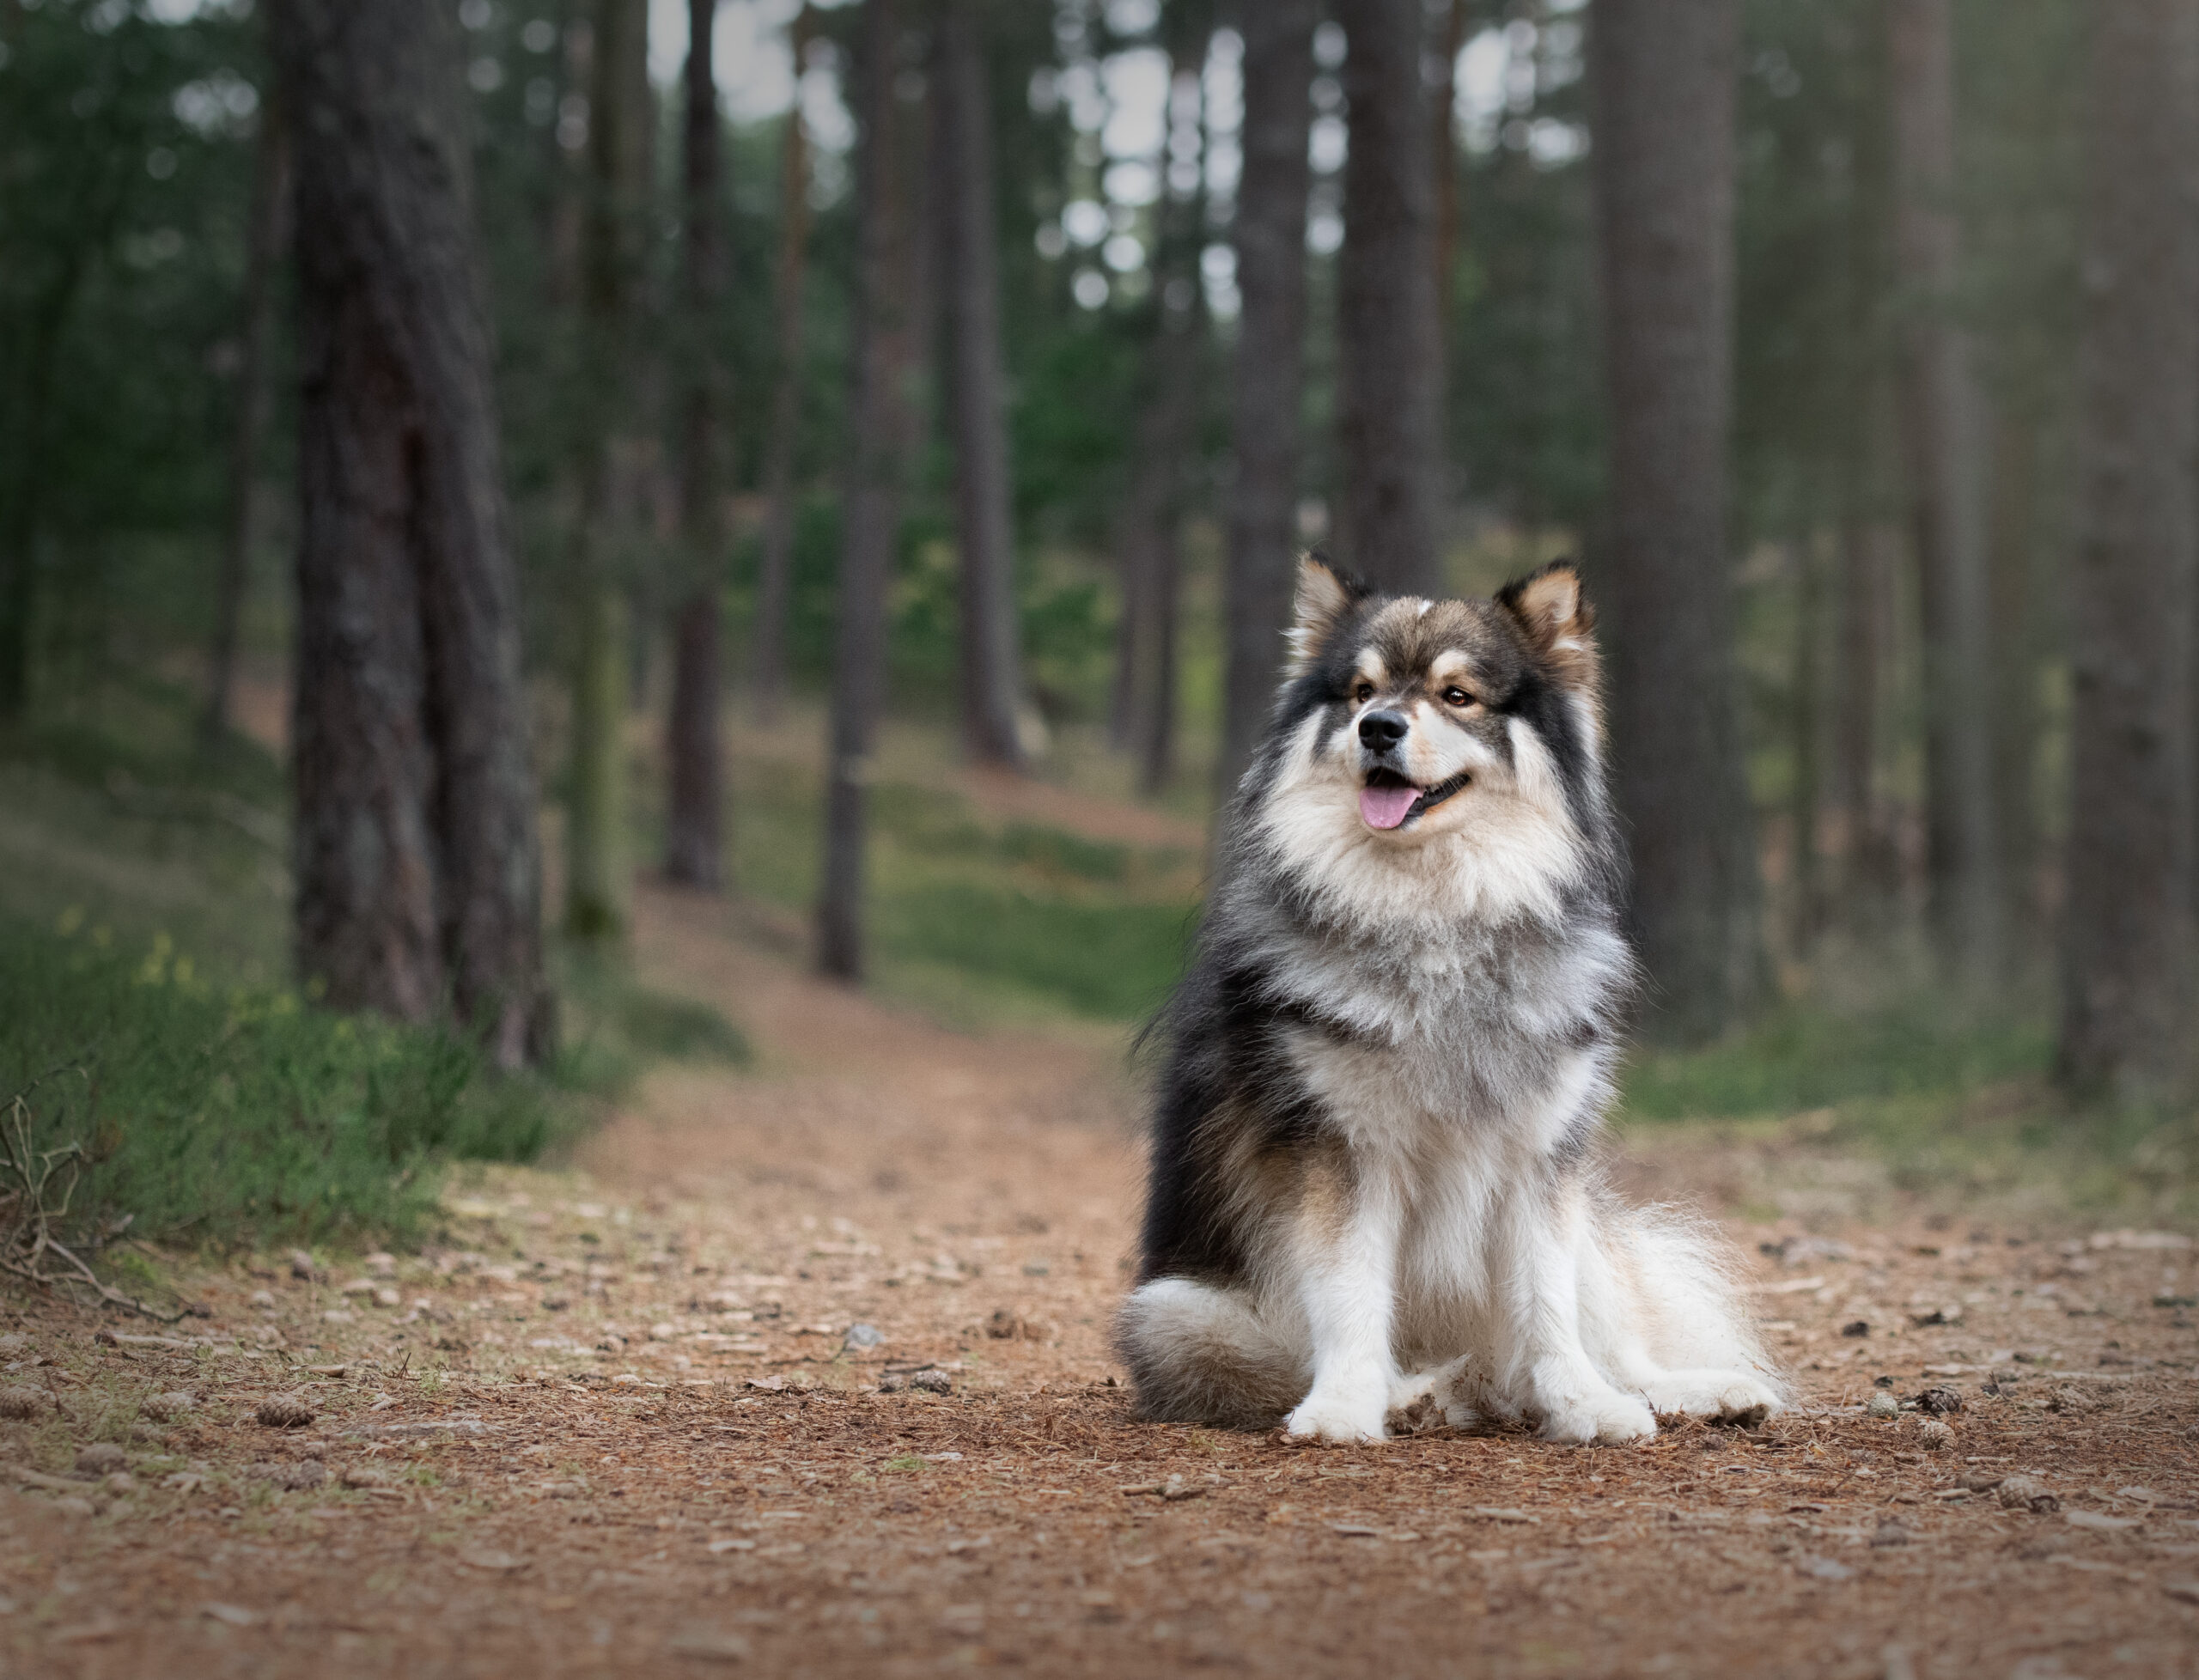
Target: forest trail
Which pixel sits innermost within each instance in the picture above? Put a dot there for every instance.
(616, 1421)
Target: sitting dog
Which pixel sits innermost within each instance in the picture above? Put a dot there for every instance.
(1372, 1185)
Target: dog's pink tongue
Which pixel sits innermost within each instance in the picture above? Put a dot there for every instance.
(1385, 807)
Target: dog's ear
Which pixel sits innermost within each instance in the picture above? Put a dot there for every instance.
(1556, 619)
(1325, 596)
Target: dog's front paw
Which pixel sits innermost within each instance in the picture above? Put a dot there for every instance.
(1606, 1419)
(1426, 1399)
(1333, 1416)
(1724, 1397)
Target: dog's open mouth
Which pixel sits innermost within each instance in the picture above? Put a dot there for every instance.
(1388, 800)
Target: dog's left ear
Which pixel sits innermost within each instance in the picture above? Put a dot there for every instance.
(1555, 616)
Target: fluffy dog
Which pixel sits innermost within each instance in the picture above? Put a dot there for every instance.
(1373, 1181)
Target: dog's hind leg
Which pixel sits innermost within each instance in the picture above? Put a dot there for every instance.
(1663, 1320)
(1203, 1354)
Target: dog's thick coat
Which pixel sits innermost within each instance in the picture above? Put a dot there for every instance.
(1372, 1180)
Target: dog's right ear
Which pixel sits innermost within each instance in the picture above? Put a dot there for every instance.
(1324, 596)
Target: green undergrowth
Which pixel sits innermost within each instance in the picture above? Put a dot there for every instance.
(1805, 1058)
(979, 922)
(226, 1114)
(144, 928)
(1943, 1103)
(614, 1028)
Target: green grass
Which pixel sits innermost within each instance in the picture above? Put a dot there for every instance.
(241, 1114)
(1805, 1057)
(982, 922)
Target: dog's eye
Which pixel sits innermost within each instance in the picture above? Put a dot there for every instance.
(1456, 696)
(1363, 693)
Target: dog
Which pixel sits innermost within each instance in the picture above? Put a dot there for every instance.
(1373, 1188)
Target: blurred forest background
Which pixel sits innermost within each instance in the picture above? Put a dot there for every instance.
(850, 457)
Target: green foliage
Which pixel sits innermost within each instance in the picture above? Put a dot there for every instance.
(614, 1028)
(1114, 961)
(242, 1114)
(1807, 1057)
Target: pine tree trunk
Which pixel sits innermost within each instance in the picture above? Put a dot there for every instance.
(264, 238)
(694, 821)
(1804, 806)
(416, 857)
(1389, 346)
(1938, 420)
(1664, 99)
(1869, 875)
(1167, 429)
(889, 152)
(619, 132)
(991, 662)
(1449, 37)
(2126, 930)
(1270, 369)
(2015, 640)
(767, 660)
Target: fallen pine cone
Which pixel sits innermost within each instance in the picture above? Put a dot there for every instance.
(284, 1411)
(21, 1403)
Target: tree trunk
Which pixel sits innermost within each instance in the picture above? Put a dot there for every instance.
(264, 241)
(1167, 429)
(992, 680)
(2127, 930)
(694, 823)
(1390, 371)
(1938, 423)
(889, 150)
(619, 132)
(1803, 807)
(2015, 641)
(767, 661)
(417, 869)
(1270, 369)
(1443, 140)
(1664, 99)
(1869, 873)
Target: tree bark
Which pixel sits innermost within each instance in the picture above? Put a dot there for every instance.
(1450, 39)
(1162, 471)
(264, 239)
(694, 823)
(1664, 74)
(889, 150)
(619, 132)
(1389, 346)
(416, 865)
(2126, 928)
(768, 654)
(1270, 369)
(1804, 806)
(1939, 422)
(2015, 640)
(992, 655)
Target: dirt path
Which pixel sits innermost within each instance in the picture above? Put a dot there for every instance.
(616, 1423)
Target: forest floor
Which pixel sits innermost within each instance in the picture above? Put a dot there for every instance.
(615, 1421)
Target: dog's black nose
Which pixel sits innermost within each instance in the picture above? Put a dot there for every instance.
(1382, 730)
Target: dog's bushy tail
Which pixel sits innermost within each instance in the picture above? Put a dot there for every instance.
(1201, 1355)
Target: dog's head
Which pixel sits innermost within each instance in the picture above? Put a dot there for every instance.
(1449, 747)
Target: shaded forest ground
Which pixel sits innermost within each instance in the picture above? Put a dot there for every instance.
(616, 1416)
